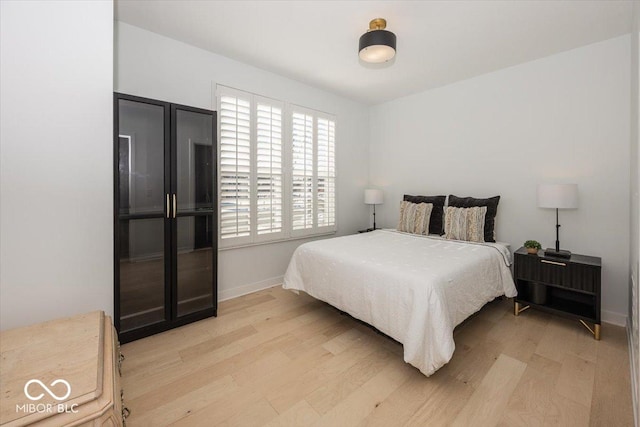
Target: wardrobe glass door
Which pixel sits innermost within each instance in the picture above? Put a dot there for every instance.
(141, 203)
(195, 199)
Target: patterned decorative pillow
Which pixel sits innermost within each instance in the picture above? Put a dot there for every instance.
(465, 223)
(414, 217)
(436, 225)
(492, 210)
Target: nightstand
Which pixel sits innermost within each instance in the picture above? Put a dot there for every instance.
(568, 287)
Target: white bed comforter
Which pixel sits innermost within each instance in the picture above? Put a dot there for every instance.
(416, 289)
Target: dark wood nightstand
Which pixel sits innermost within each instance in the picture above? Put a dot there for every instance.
(569, 287)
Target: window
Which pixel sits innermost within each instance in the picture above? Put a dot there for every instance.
(235, 167)
(302, 171)
(326, 175)
(277, 170)
(269, 168)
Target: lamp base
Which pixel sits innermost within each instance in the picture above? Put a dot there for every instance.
(551, 252)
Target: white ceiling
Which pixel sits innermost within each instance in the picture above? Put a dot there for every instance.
(439, 42)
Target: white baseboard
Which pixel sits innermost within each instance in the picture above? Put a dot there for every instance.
(613, 318)
(634, 374)
(250, 288)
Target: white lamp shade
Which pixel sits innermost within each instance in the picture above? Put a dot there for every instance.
(373, 197)
(558, 196)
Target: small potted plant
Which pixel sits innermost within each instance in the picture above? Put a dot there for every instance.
(532, 246)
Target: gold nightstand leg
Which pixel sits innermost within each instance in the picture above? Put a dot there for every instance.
(517, 308)
(595, 331)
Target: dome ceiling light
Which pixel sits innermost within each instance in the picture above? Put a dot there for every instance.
(377, 45)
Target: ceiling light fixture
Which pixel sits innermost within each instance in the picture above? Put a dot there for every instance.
(377, 45)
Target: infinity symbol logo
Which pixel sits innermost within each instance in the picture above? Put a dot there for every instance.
(52, 394)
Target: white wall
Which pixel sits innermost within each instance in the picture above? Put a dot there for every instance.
(56, 195)
(634, 251)
(564, 118)
(157, 67)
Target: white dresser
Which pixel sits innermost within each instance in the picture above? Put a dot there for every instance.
(65, 372)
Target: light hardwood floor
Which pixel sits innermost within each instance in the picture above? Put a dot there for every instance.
(275, 358)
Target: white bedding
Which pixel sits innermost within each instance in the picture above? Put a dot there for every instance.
(416, 289)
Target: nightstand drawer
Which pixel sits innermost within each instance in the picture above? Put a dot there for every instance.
(585, 278)
(558, 272)
(536, 269)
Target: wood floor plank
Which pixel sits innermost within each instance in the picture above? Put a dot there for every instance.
(469, 365)
(342, 341)
(189, 380)
(229, 407)
(570, 337)
(327, 396)
(357, 406)
(443, 404)
(565, 412)
(244, 301)
(299, 415)
(610, 406)
(217, 342)
(531, 400)
(281, 359)
(258, 413)
(299, 381)
(292, 377)
(403, 403)
(495, 310)
(183, 405)
(316, 334)
(487, 404)
(576, 379)
(261, 367)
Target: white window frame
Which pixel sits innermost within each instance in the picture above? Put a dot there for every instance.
(287, 232)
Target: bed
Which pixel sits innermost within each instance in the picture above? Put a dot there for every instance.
(414, 288)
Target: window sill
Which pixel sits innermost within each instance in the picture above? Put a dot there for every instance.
(270, 242)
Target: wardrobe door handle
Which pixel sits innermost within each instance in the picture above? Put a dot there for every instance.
(175, 205)
(168, 207)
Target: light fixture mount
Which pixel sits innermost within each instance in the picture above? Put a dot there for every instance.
(378, 24)
(377, 45)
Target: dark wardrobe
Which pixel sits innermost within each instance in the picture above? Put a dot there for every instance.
(165, 215)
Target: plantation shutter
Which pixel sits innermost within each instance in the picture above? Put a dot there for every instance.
(235, 166)
(276, 182)
(326, 173)
(269, 194)
(302, 171)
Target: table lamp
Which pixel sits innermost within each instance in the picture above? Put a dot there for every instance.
(373, 197)
(557, 196)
